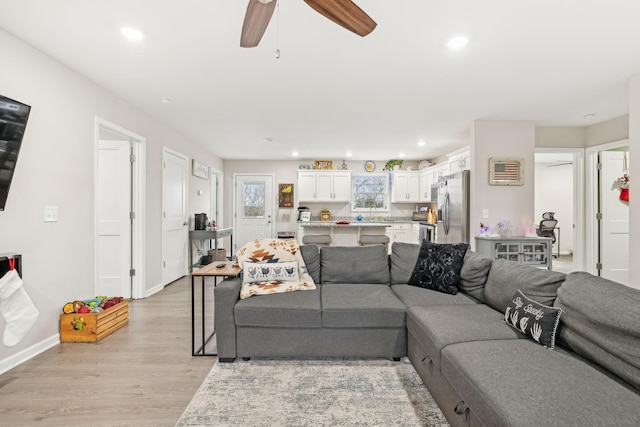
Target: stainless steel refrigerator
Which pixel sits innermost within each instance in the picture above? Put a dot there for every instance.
(453, 208)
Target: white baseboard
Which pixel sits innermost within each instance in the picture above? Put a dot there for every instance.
(154, 290)
(28, 353)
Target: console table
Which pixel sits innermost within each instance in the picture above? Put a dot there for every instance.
(208, 235)
(211, 270)
(534, 251)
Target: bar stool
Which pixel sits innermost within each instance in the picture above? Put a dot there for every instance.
(318, 239)
(375, 239)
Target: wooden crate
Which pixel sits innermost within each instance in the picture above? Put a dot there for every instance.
(97, 326)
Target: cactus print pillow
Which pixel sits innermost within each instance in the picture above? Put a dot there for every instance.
(537, 321)
(270, 271)
(438, 266)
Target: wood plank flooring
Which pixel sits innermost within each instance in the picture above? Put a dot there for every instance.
(142, 375)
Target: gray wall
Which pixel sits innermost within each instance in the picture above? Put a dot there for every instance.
(56, 167)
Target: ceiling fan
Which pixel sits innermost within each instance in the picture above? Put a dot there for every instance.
(343, 12)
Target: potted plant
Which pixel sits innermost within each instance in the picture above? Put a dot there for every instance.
(393, 164)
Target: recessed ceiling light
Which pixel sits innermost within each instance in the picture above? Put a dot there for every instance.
(457, 42)
(401, 155)
(166, 101)
(349, 154)
(132, 33)
(589, 116)
(421, 143)
(267, 139)
(295, 154)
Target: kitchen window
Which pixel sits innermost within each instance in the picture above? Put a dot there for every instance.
(370, 192)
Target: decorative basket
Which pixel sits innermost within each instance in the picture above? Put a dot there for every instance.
(218, 255)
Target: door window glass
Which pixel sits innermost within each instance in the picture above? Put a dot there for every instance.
(253, 195)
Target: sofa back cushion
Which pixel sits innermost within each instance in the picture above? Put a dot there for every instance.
(474, 274)
(354, 264)
(403, 260)
(506, 277)
(601, 322)
(311, 255)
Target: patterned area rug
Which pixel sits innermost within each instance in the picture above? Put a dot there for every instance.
(312, 393)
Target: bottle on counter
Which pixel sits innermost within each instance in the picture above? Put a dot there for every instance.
(429, 216)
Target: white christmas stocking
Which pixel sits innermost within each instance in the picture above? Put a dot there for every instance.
(16, 308)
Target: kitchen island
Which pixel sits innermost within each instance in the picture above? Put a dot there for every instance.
(342, 234)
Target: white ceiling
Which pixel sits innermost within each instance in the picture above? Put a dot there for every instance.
(331, 91)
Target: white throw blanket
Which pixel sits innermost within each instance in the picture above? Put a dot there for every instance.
(272, 251)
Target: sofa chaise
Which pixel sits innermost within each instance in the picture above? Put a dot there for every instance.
(479, 369)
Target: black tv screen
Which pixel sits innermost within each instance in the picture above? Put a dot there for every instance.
(13, 121)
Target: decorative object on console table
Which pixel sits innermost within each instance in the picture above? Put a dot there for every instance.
(199, 170)
(506, 171)
(323, 165)
(285, 195)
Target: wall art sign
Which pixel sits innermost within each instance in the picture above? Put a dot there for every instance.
(199, 170)
(506, 171)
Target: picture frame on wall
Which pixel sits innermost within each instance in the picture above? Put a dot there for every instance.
(199, 170)
(506, 171)
(323, 165)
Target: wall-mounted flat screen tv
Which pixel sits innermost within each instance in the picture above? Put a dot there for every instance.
(13, 121)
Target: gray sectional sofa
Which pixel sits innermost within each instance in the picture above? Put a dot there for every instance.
(479, 370)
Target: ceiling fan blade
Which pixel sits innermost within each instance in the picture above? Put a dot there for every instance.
(256, 21)
(344, 13)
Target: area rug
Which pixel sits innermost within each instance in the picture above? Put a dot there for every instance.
(312, 393)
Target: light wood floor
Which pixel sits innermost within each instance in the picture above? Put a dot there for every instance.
(142, 375)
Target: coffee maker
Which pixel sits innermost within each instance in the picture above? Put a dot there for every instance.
(304, 214)
(201, 221)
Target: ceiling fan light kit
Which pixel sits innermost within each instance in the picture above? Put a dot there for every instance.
(343, 12)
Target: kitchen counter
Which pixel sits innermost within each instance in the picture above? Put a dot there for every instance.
(351, 224)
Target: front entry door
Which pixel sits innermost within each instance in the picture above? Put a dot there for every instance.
(614, 225)
(174, 219)
(253, 208)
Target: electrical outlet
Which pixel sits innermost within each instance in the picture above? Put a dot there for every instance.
(50, 214)
(485, 213)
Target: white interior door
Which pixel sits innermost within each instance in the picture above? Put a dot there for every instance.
(114, 222)
(253, 208)
(175, 230)
(614, 226)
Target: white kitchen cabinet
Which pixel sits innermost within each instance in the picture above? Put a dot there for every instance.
(403, 232)
(440, 170)
(426, 182)
(405, 187)
(460, 161)
(324, 186)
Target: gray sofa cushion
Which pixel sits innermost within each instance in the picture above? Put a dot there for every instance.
(505, 277)
(403, 260)
(354, 264)
(413, 296)
(361, 305)
(474, 273)
(311, 255)
(521, 383)
(287, 310)
(436, 327)
(601, 322)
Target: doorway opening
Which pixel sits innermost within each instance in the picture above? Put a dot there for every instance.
(559, 188)
(120, 192)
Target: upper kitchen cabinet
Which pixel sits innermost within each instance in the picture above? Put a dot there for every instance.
(460, 160)
(426, 181)
(324, 186)
(405, 187)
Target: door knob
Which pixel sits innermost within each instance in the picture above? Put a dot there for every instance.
(185, 223)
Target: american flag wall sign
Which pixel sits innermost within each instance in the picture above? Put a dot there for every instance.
(506, 171)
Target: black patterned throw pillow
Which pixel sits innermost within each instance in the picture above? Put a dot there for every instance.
(438, 266)
(537, 321)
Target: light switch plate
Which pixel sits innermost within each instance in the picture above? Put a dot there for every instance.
(50, 214)
(485, 213)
